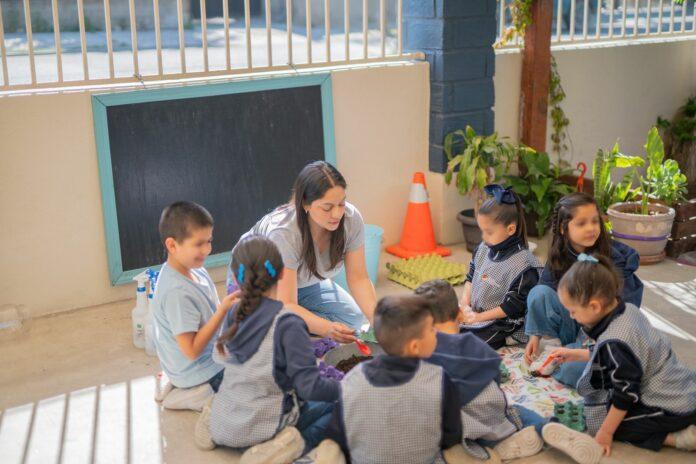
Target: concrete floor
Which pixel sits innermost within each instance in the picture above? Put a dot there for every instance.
(74, 389)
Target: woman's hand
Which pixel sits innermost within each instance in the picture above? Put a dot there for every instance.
(339, 332)
(531, 351)
(564, 355)
(605, 440)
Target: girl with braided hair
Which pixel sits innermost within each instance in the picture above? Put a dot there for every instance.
(576, 228)
(273, 400)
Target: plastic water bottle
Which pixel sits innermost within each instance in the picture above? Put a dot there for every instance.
(150, 329)
(139, 313)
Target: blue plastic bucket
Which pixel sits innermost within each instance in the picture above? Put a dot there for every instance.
(373, 247)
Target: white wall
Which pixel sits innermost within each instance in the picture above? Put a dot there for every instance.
(54, 253)
(612, 93)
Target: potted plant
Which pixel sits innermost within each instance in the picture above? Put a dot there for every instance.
(646, 225)
(539, 186)
(680, 141)
(606, 192)
(474, 162)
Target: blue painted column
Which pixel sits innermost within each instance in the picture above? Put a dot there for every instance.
(457, 38)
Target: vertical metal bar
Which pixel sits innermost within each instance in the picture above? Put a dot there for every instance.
(269, 44)
(382, 27)
(648, 18)
(247, 27)
(83, 39)
(226, 18)
(56, 39)
(109, 42)
(659, 18)
(182, 42)
(134, 36)
(611, 19)
(204, 35)
(598, 30)
(683, 21)
(501, 19)
(288, 20)
(399, 27)
(559, 17)
(346, 26)
(3, 52)
(585, 7)
(635, 18)
(623, 23)
(671, 18)
(572, 20)
(158, 35)
(327, 29)
(30, 41)
(365, 28)
(308, 27)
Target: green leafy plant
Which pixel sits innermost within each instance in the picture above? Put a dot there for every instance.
(539, 185)
(559, 120)
(606, 192)
(663, 180)
(521, 14)
(475, 160)
(684, 129)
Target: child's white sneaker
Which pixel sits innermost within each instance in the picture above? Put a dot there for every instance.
(202, 430)
(188, 398)
(458, 455)
(686, 439)
(328, 452)
(284, 448)
(579, 446)
(522, 444)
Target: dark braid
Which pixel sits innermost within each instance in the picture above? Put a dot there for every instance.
(251, 254)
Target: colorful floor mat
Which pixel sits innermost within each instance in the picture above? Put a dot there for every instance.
(536, 393)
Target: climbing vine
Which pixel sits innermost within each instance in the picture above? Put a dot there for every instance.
(521, 15)
(559, 120)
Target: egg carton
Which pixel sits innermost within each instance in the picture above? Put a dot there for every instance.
(412, 272)
(571, 415)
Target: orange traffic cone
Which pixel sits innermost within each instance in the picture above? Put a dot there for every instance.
(418, 237)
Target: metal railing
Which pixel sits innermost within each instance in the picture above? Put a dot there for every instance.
(593, 21)
(51, 58)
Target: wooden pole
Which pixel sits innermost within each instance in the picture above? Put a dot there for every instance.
(536, 69)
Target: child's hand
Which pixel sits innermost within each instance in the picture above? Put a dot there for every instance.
(229, 301)
(470, 317)
(605, 439)
(340, 332)
(564, 355)
(531, 351)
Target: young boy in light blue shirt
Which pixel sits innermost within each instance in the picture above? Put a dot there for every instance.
(187, 312)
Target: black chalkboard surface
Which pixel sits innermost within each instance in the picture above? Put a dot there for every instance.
(236, 153)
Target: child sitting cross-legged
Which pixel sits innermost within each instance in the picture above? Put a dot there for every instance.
(397, 407)
(635, 388)
(474, 367)
(272, 399)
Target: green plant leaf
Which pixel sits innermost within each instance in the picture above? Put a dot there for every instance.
(540, 189)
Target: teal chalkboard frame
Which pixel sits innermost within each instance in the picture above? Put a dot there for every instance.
(100, 103)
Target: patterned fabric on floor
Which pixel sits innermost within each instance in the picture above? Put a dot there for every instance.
(536, 393)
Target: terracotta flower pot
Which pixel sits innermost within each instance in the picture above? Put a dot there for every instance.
(472, 233)
(647, 234)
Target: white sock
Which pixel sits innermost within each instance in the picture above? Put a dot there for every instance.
(686, 439)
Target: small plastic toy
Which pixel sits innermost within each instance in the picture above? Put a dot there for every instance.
(571, 415)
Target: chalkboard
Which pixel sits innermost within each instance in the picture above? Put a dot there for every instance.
(234, 148)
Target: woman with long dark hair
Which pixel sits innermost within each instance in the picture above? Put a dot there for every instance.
(317, 232)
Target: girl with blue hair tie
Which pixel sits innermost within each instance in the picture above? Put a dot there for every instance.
(501, 273)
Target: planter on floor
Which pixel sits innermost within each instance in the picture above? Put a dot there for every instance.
(647, 234)
(683, 237)
(472, 233)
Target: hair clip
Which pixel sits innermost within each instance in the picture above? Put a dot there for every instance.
(587, 258)
(501, 194)
(269, 268)
(240, 274)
